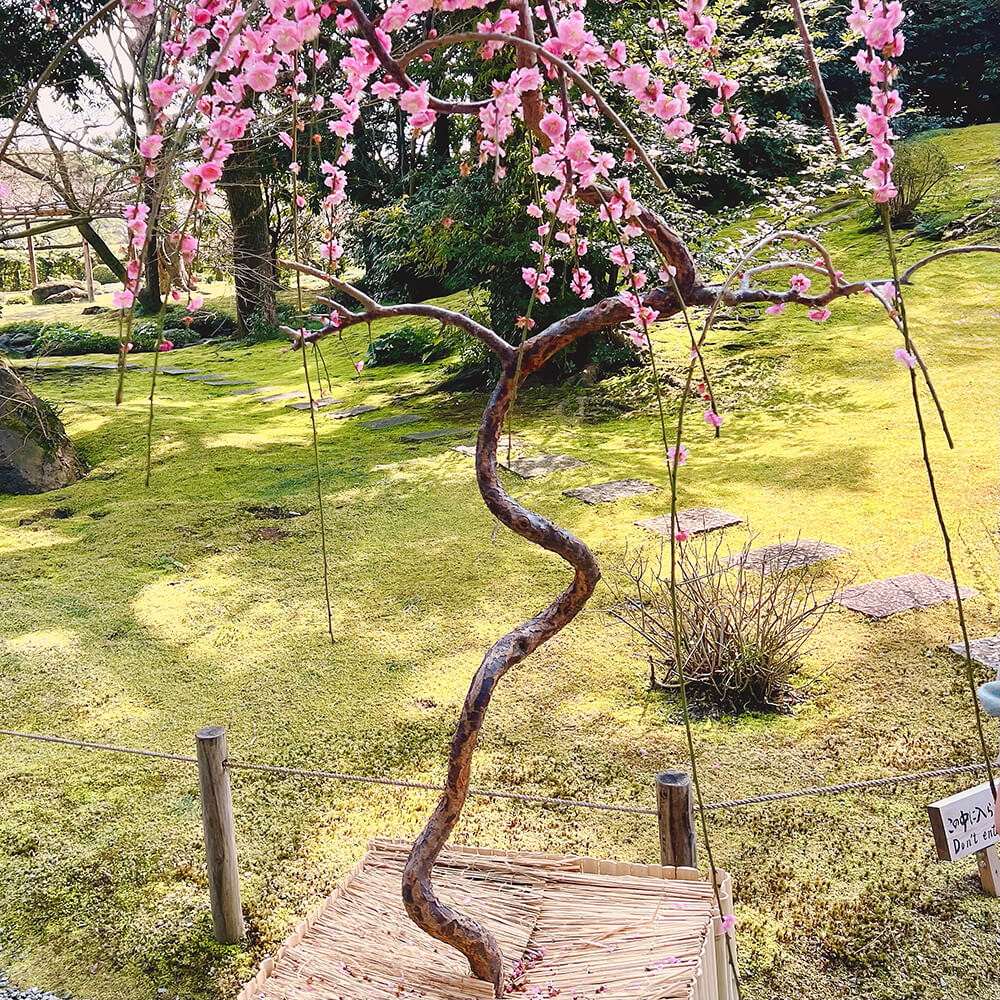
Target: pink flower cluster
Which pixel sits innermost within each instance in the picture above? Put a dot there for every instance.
(877, 22)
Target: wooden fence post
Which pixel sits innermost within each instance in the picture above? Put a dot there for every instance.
(88, 270)
(32, 266)
(220, 835)
(675, 815)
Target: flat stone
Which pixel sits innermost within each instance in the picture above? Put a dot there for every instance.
(620, 489)
(432, 435)
(541, 465)
(255, 391)
(172, 370)
(325, 401)
(787, 555)
(985, 651)
(882, 598)
(694, 520)
(202, 378)
(516, 444)
(396, 421)
(354, 411)
(282, 397)
(225, 381)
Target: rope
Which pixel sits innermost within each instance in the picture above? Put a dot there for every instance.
(542, 800)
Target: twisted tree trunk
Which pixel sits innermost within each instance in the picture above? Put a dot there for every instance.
(440, 921)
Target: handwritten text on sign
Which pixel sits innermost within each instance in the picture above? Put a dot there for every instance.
(964, 823)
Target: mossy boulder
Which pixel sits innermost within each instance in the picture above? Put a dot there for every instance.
(36, 455)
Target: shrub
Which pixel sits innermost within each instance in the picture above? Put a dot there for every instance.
(104, 275)
(18, 300)
(409, 343)
(63, 339)
(918, 167)
(742, 634)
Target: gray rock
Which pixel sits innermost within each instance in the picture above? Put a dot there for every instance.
(319, 403)
(883, 598)
(787, 555)
(694, 520)
(445, 432)
(47, 291)
(354, 411)
(35, 453)
(985, 651)
(541, 465)
(94, 310)
(620, 489)
(282, 397)
(396, 421)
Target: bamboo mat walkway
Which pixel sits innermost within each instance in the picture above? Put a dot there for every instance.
(569, 927)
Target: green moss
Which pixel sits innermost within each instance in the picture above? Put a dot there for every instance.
(150, 613)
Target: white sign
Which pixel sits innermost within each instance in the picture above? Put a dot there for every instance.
(964, 823)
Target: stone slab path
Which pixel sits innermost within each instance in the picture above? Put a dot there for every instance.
(883, 598)
(985, 651)
(354, 411)
(255, 391)
(694, 520)
(445, 432)
(225, 381)
(620, 489)
(541, 465)
(787, 555)
(202, 378)
(325, 401)
(516, 445)
(282, 397)
(171, 370)
(397, 421)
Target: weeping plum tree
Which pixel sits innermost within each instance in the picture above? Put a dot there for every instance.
(560, 98)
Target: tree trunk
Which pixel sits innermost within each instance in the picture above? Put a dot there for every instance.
(105, 254)
(150, 296)
(35, 454)
(253, 270)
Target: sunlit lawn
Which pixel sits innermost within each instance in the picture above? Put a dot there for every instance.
(150, 613)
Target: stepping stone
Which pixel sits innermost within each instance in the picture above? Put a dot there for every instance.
(251, 392)
(396, 421)
(354, 411)
(882, 598)
(226, 381)
(325, 401)
(541, 465)
(282, 397)
(985, 651)
(516, 444)
(621, 489)
(202, 378)
(694, 520)
(432, 435)
(172, 370)
(787, 555)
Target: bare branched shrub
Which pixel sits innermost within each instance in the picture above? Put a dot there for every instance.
(742, 632)
(919, 166)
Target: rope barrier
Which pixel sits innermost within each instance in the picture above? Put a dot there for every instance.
(543, 800)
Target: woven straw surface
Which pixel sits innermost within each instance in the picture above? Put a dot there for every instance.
(569, 927)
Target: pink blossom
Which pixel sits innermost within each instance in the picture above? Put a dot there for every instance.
(122, 299)
(800, 283)
(196, 303)
(775, 310)
(819, 315)
(150, 146)
(905, 358)
(713, 419)
(358, 366)
(165, 345)
(728, 922)
(261, 77)
(554, 126)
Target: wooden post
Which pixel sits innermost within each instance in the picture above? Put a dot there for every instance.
(220, 836)
(88, 270)
(675, 814)
(32, 267)
(988, 862)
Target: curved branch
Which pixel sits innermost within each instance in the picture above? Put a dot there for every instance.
(374, 310)
(436, 918)
(904, 278)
